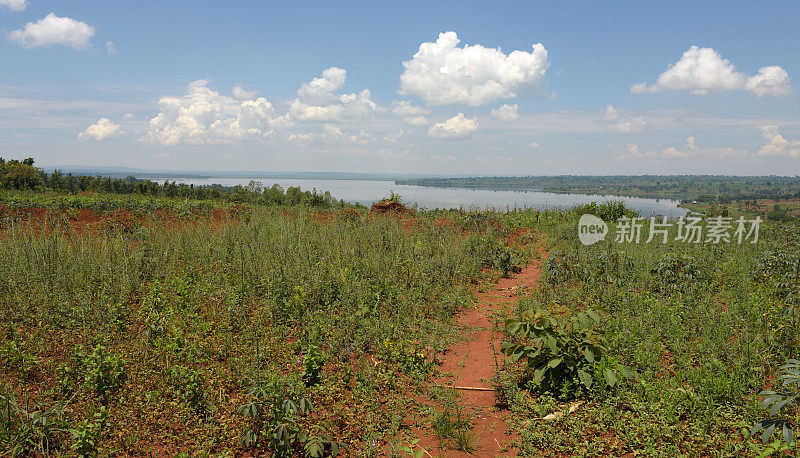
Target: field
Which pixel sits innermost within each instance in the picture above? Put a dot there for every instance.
(781, 210)
(157, 326)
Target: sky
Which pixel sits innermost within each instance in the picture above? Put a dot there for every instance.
(484, 88)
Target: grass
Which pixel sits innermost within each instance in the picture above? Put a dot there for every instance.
(704, 341)
(209, 336)
(167, 328)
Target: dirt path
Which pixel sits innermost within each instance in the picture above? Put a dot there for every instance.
(472, 363)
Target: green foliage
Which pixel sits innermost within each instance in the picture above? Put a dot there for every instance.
(189, 384)
(781, 405)
(87, 436)
(16, 174)
(105, 372)
(609, 211)
(313, 360)
(411, 356)
(29, 428)
(392, 198)
(18, 359)
(676, 269)
(275, 417)
(561, 351)
(453, 429)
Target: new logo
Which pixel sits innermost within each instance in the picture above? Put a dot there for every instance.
(591, 229)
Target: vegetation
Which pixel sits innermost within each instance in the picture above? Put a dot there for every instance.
(688, 188)
(22, 176)
(688, 336)
(218, 334)
(135, 324)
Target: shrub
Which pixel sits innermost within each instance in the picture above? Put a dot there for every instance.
(781, 405)
(559, 351)
(274, 414)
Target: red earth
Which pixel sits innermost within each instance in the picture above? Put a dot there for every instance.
(471, 363)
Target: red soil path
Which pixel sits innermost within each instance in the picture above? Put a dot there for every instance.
(472, 363)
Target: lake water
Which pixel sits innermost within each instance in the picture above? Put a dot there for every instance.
(368, 191)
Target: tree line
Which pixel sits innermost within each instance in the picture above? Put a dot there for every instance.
(22, 175)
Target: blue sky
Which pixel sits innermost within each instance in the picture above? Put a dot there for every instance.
(623, 87)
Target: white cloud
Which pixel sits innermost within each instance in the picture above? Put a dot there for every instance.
(205, 116)
(14, 5)
(111, 48)
(104, 128)
(54, 30)
(441, 73)
(332, 131)
(619, 122)
(243, 94)
(776, 144)
(702, 71)
(412, 114)
(506, 112)
(416, 120)
(773, 81)
(362, 138)
(674, 153)
(317, 101)
(534, 145)
(457, 127)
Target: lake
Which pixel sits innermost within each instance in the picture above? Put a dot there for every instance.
(368, 191)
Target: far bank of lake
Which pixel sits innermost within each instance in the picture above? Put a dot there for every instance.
(368, 191)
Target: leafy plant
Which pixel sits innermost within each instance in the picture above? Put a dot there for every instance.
(453, 429)
(275, 416)
(409, 449)
(29, 428)
(782, 405)
(88, 434)
(105, 372)
(189, 383)
(674, 268)
(17, 358)
(559, 350)
(313, 360)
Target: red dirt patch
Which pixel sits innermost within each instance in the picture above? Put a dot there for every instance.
(388, 206)
(472, 363)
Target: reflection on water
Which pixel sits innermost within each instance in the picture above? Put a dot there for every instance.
(367, 191)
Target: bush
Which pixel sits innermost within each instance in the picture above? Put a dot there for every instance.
(559, 351)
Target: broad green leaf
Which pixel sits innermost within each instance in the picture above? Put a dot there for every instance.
(767, 433)
(585, 378)
(788, 434)
(587, 352)
(611, 377)
(538, 375)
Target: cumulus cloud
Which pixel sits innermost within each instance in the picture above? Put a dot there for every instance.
(243, 94)
(442, 73)
(411, 114)
(457, 127)
(702, 71)
(776, 144)
(54, 30)
(317, 100)
(534, 145)
(506, 112)
(14, 5)
(204, 116)
(772, 81)
(690, 150)
(332, 131)
(111, 48)
(620, 122)
(104, 128)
